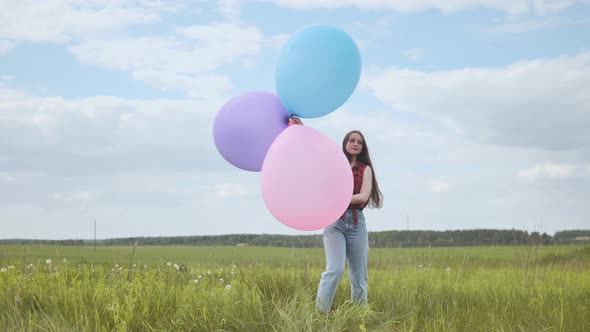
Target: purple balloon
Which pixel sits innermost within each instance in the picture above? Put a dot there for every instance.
(245, 127)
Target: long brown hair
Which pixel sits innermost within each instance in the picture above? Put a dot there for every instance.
(376, 197)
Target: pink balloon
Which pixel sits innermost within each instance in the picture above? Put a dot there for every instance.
(306, 179)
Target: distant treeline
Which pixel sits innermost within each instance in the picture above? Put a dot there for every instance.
(386, 239)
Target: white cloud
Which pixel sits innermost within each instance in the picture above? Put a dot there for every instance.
(538, 103)
(193, 85)
(514, 7)
(105, 134)
(439, 186)
(7, 177)
(6, 46)
(230, 9)
(527, 25)
(182, 61)
(132, 203)
(415, 54)
(542, 7)
(548, 170)
(79, 199)
(222, 43)
(277, 41)
(371, 34)
(59, 21)
(231, 190)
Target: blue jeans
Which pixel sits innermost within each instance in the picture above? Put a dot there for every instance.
(343, 242)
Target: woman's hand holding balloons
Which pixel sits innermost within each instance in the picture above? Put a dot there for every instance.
(295, 121)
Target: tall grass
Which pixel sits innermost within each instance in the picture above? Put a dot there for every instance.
(273, 289)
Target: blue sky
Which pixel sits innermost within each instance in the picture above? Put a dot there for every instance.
(476, 112)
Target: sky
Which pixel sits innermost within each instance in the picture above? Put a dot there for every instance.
(476, 113)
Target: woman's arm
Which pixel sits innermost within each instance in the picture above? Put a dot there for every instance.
(363, 196)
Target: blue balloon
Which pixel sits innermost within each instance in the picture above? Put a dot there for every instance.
(318, 69)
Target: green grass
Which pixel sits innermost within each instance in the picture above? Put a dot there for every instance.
(273, 289)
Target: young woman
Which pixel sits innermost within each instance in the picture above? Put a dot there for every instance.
(347, 238)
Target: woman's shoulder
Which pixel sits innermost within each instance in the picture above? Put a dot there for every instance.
(361, 165)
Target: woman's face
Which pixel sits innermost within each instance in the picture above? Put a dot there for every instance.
(354, 146)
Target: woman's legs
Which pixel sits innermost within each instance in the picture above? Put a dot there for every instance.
(357, 254)
(342, 242)
(335, 248)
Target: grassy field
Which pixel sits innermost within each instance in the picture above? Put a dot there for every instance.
(181, 288)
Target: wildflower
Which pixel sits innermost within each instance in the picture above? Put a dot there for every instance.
(65, 260)
(233, 267)
(448, 269)
(134, 265)
(48, 261)
(169, 263)
(228, 287)
(176, 267)
(11, 267)
(221, 280)
(200, 276)
(420, 266)
(209, 272)
(196, 281)
(116, 265)
(3, 270)
(145, 266)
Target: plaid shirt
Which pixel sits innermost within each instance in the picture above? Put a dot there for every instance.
(357, 172)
